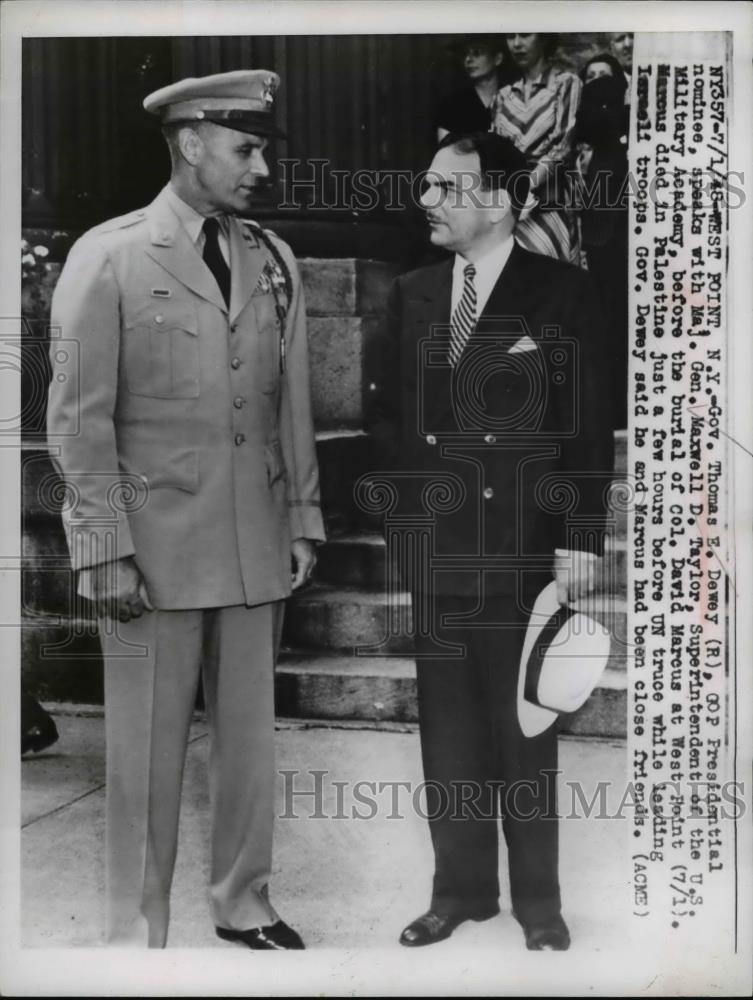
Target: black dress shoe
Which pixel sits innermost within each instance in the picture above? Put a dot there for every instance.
(431, 926)
(274, 937)
(39, 736)
(552, 935)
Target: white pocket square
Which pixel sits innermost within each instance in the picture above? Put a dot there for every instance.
(524, 344)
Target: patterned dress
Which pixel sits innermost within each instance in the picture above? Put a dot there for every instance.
(540, 121)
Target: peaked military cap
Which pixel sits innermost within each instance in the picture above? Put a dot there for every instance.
(242, 100)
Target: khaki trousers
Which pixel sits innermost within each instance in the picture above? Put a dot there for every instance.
(152, 669)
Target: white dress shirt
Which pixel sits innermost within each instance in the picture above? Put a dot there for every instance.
(488, 269)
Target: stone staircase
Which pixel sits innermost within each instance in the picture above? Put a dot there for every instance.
(347, 608)
(326, 670)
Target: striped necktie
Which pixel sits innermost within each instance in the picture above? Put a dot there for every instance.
(464, 317)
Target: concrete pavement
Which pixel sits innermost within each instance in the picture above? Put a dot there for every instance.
(341, 880)
(348, 884)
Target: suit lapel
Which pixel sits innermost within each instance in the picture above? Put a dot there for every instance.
(171, 247)
(430, 312)
(247, 259)
(509, 297)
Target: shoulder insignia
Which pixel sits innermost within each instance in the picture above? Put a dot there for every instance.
(258, 230)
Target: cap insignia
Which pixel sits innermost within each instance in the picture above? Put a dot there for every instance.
(268, 93)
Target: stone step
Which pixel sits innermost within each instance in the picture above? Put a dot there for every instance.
(344, 456)
(61, 660)
(384, 689)
(352, 559)
(359, 559)
(63, 664)
(352, 620)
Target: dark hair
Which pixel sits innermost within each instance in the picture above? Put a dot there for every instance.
(502, 163)
(493, 44)
(617, 71)
(549, 41)
(602, 117)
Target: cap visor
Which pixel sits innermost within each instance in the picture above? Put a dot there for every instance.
(249, 127)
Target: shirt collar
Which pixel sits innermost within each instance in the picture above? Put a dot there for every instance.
(491, 264)
(543, 80)
(191, 220)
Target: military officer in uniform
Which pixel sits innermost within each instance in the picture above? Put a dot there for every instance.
(185, 438)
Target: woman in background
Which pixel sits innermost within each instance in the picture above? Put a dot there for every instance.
(537, 112)
(469, 109)
(604, 64)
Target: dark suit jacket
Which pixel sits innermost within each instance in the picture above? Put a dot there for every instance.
(509, 455)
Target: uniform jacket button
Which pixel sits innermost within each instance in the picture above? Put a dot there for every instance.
(430, 439)
(488, 493)
(235, 363)
(240, 438)
(238, 402)
(159, 319)
(490, 439)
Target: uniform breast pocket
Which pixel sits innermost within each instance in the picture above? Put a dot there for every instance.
(161, 352)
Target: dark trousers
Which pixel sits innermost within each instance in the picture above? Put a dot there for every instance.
(478, 766)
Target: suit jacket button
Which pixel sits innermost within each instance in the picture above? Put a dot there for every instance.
(240, 438)
(159, 319)
(490, 439)
(235, 363)
(430, 439)
(488, 493)
(238, 402)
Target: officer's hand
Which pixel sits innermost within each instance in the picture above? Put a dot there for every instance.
(118, 590)
(574, 574)
(303, 554)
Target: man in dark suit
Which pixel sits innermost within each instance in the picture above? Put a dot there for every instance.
(492, 422)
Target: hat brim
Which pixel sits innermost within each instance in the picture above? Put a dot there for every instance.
(251, 124)
(534, 718)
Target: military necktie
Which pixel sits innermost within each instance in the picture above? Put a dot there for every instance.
(213, 258)
(464, 318)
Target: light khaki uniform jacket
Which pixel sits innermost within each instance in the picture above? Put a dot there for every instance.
(185, 440)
